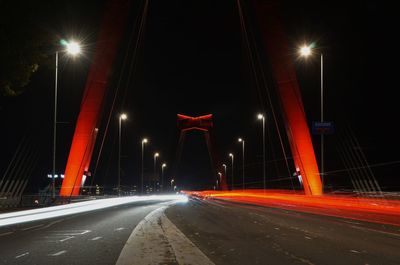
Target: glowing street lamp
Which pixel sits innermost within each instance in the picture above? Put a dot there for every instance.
(121, 118)
(240, 140)
(224, 165)
(164, 165)
(220, 179)
(262, 118)
(306, 51)
(73, 49)
(172, 183)
(155, 156)
(232, 157)
(144, 141)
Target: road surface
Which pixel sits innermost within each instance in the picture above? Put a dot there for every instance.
(87, 238)
(242, 234)
(198, 232)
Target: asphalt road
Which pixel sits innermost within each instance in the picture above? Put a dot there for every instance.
(225, 233)
(88, 238)
(241, 234)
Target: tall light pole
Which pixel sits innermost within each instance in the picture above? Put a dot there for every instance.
(262, 118)
(164, 165)
(172, 183)
(232, 157)
(144, 141)
(121, 118)
(240, 140)
(306, 51)
(220, 179)
(224, 165)
(155, 168)
(71, 48)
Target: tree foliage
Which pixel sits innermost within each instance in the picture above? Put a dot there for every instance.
(22, 45)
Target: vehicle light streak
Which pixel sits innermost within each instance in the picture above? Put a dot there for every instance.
(375, 210)
(79, 207)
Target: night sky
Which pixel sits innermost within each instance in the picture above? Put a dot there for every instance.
(191, 61)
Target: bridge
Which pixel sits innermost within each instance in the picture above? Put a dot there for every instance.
(255, 195)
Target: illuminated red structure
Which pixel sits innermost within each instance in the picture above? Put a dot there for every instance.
(284, 74)
(205, 124)
(96, 84)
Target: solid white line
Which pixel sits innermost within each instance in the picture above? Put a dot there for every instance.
(374, 230)
(119, 229)
(20, 256)
(58, 253)
(67, 238)
(96, 238)
(6, 233)
(32, 227)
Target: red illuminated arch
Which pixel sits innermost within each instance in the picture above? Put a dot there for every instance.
(204, 124)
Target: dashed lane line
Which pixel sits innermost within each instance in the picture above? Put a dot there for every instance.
(57, 253)
(22, 255)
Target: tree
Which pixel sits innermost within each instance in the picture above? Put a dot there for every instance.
(22, 45)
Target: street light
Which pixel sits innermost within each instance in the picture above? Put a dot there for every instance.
(240, 140)
(73, 49)
(232, 157)
(262, 118)
(154, 168)
(224, 165)
(172, 183)
(144, 141)
(122, 117)
(220, 179)
(306, 51)
(164, 165)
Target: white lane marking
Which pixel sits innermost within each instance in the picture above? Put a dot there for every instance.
(23, 254)
(351, 222)
(119, 228)
(67, 238)
(156, 240)
(72, 232)
(306, 237)
(32, 227)
(50, 224)
(374, 230)
(354, 251)
(57, 253)
(6, 233)
(96, 238)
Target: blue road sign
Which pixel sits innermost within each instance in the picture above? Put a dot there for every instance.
(326, 127)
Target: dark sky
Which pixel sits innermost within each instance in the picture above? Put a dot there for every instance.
(192, 61)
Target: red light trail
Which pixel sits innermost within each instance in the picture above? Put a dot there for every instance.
(365, 209)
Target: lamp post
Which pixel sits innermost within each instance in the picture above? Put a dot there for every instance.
(240, 140)
(164, 165)
(155, 168)
(306, 51)
(232, 157)
(224, 165)
(220, 179)
(121, 118)
(144, 141)
(71, 48)
(262, 118)
(172, 183)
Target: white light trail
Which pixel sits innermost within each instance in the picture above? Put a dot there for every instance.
(80, 207)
